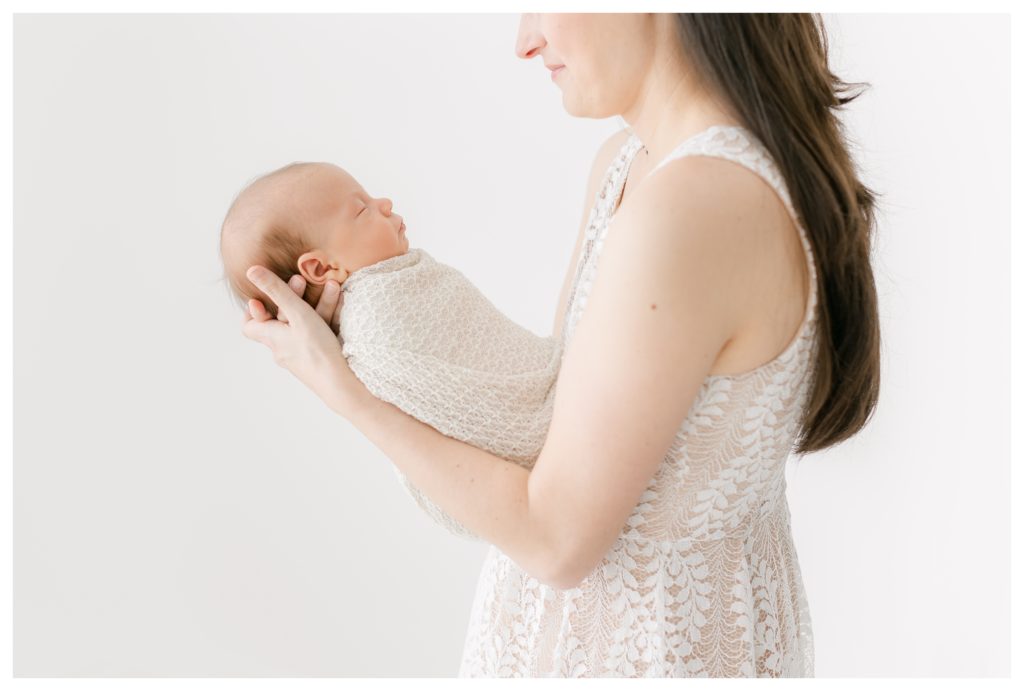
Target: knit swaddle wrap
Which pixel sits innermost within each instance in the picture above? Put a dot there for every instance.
(422, 337)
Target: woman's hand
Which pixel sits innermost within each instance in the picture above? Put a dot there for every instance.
(302, 339)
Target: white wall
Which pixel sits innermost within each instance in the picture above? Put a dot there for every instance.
(903, 532)
(183, 507)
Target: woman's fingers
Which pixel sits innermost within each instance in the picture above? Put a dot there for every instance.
(263, 331)
(250, 311)
(328, 302)
(298, 286)
(336, 317)
(277, 290)
(257, 311)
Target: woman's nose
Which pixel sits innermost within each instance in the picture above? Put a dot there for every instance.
(386, 206)
(529, 40)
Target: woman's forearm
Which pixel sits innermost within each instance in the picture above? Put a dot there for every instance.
(484, 492)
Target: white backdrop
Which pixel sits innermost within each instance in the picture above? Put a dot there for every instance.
(184, 507)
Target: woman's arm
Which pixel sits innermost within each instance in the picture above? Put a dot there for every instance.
(484, 492)
(669, 293)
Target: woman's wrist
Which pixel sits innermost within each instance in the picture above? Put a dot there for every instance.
(347, 393)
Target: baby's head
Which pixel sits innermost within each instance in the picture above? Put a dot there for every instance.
(309, 218)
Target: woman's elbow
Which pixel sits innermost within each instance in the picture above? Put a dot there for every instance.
(569, 573)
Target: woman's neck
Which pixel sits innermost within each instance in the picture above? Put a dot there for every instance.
(671, 105)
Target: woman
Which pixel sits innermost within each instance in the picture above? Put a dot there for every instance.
(733, 320)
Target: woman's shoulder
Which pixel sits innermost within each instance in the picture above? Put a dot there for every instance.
(708, 203)
(731, 220)
(711, 182)
(725, 158)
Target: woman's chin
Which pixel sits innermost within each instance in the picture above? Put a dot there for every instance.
(576, 109)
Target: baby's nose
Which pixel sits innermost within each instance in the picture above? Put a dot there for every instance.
(387, 206)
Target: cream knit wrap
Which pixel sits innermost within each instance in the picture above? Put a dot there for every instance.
(422, 337)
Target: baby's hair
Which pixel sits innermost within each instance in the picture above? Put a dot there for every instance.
(277, 245)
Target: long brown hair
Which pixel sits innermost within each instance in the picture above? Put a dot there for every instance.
(773, 70)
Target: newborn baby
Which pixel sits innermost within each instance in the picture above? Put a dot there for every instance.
(309, 218)
(415, 331)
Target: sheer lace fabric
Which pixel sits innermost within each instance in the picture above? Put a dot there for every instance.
(704, 578)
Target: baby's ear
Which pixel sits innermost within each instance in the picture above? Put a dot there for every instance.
(313, 267)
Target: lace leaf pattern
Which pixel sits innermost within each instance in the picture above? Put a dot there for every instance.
(704, 578)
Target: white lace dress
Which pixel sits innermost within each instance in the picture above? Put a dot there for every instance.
(704, 579)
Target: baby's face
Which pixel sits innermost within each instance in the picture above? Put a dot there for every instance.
(349, 228)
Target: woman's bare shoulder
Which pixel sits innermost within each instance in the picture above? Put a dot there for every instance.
(734, 219)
